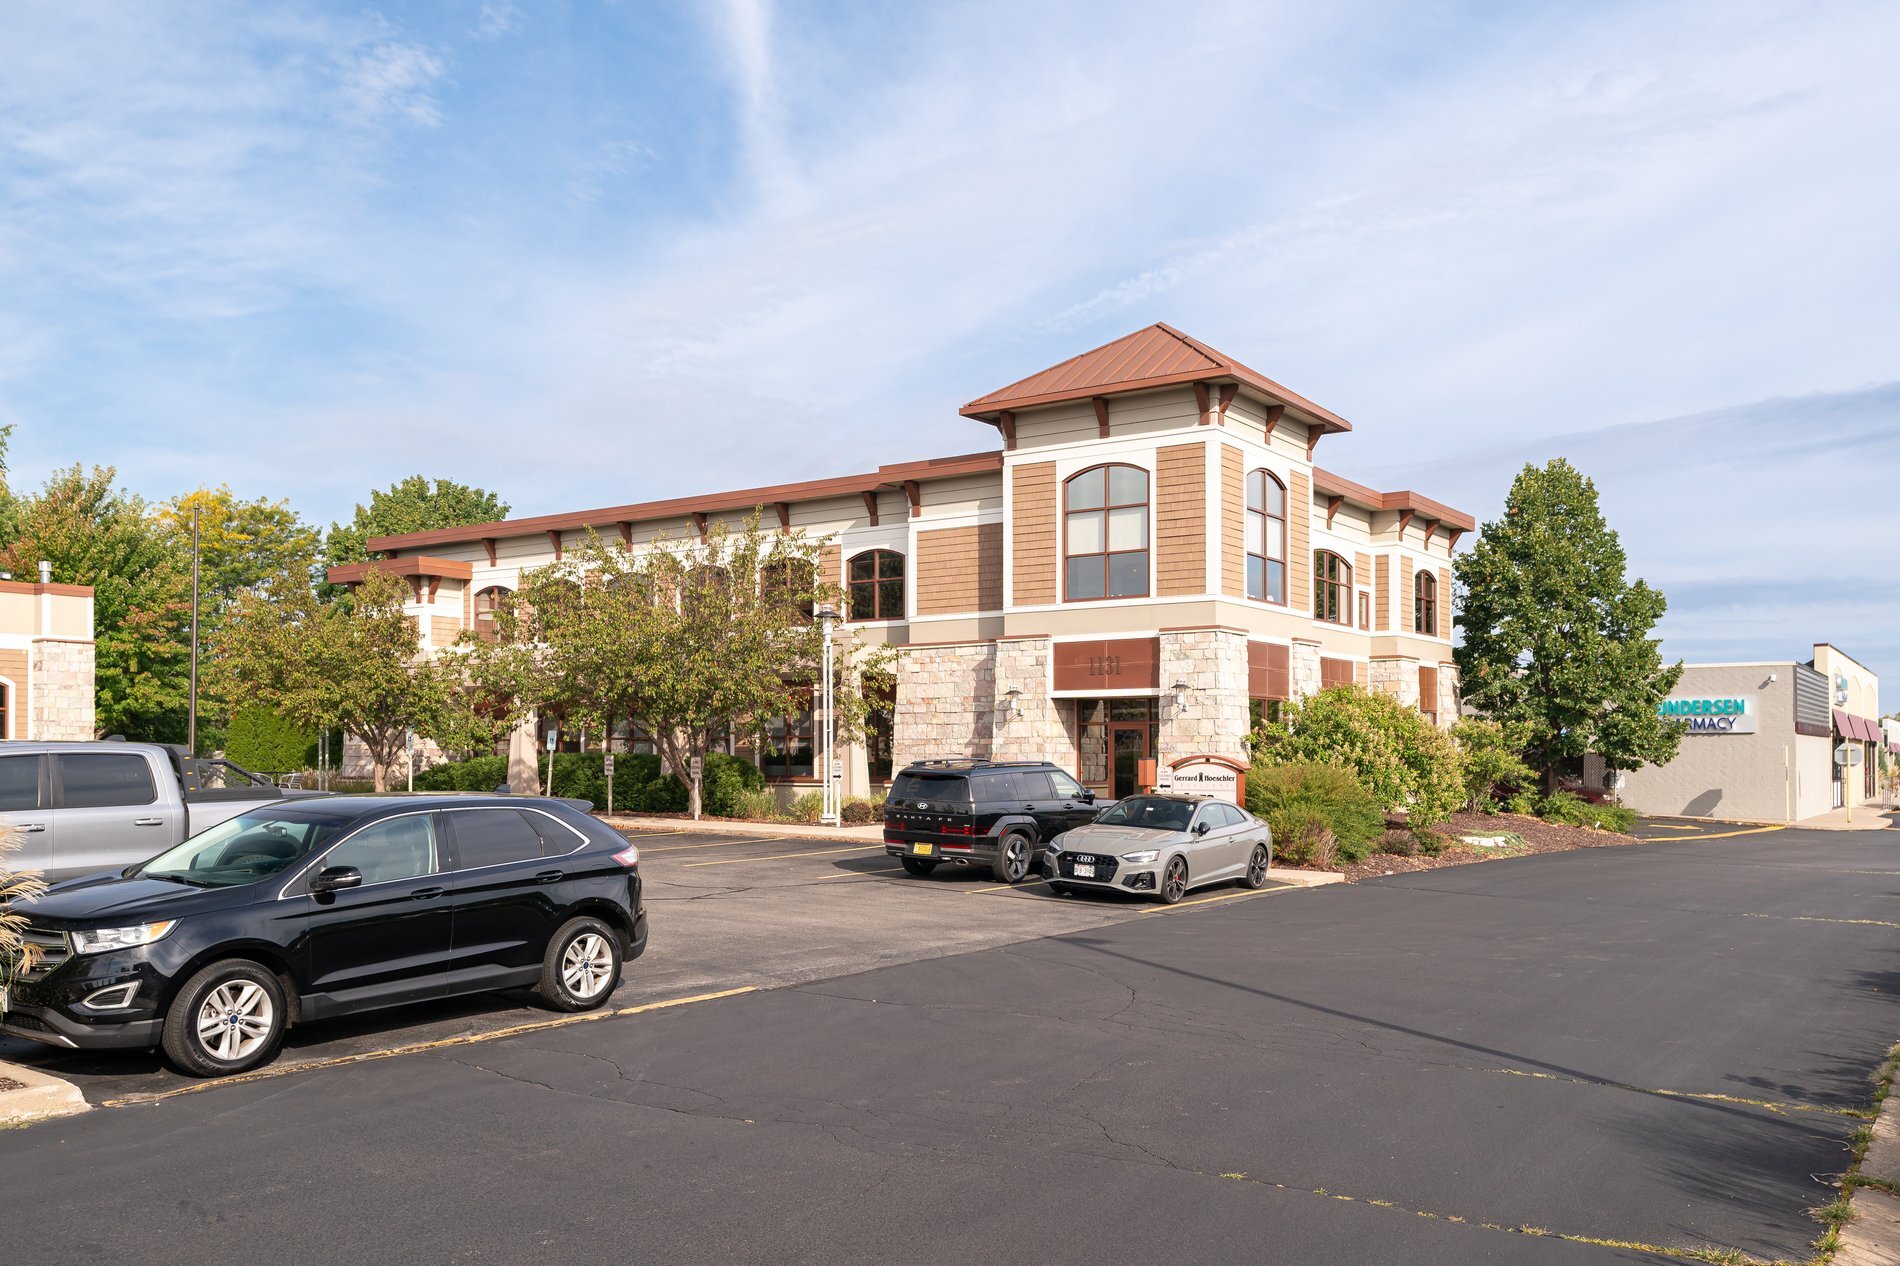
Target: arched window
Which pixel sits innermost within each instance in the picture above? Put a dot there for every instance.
(1425, 604)
(1105, 533)
(875, 580)
(1332, 588)
(488, 607)
(1266, 537)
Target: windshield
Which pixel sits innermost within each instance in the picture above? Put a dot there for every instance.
(242, 850)
(1151, 813)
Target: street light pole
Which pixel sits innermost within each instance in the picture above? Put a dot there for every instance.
(826, 731)
(191, 707)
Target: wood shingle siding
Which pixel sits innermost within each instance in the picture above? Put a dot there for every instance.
(1382, 593)
(1299, 563)
(1408, 593)
(960, 570)
(1033, 552)
(1444, 603)
(444, 629)
(1233, 522)
(1180, 510)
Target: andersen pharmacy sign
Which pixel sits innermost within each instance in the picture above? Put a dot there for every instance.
(1716, 714)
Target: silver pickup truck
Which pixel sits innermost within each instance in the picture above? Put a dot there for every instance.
(83, 807)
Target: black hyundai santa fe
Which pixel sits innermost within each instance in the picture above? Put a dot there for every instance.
(318, 908)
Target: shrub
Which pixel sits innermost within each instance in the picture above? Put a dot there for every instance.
(1565, 807)
(1304, 800)
(1489, 761)
(1522, 803)
(807, 808)
(1428, 841)
(857, 811)
(756, 803)
(20, 885)
(1616, 817)
(1407, 763)
(262, 741)
(480, 773)
(1399, 844)
(665, 794)
(725, 783)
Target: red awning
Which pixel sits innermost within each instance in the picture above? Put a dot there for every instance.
(1859, 729)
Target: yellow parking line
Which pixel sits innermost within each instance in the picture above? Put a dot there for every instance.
(646, 835)
(991, 892)
(740, 861)
(857, 874)
(1223, 896)
(1720, 835)
(684, 848)
(414, 1048)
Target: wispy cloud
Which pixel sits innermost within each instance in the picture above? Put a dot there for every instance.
(497, 18)
(391, 79)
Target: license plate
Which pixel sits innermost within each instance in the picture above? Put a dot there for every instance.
(1085, 872)
(922, 850)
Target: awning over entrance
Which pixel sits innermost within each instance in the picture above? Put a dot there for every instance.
(1860, 729)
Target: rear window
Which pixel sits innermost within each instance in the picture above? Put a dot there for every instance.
(99, 780)
(19, 782)
(494, 837)
(933, 789)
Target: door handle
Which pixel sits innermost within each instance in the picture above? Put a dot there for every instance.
(148, 821)
(32, 827)
(549, 876)
(1029, 808)
(427, 894)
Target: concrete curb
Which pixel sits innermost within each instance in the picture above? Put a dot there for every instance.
(1871, 1236)
(40, 1096)
(1305, 878)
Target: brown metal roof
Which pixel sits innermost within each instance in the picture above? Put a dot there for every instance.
(1158, 356)
(414, 565)
(746, 499)
(1340, 486)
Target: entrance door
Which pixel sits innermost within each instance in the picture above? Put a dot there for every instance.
(1129, 745)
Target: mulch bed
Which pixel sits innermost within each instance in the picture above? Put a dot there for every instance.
(1539, 837)
(7, 1083)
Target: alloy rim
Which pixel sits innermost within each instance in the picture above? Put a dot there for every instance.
(235, 1019)
(586, 965)
(1017, 861)
(1177, 878)
(1257, 868)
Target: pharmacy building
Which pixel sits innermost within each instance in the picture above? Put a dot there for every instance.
(1144, 559)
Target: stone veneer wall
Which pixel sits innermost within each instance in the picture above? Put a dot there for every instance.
(1447, 695)
(1304, 677)
(1213, 664)
(1037, 731)
(59, 690)
(1397, 677)
(946, 703)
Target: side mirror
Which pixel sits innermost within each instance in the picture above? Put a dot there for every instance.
(1088, 797)
(331, 878)
(1202, 827)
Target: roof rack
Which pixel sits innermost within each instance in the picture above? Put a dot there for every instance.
(974, 762)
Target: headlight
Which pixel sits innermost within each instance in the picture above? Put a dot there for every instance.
(120, 938)
(1142, 858)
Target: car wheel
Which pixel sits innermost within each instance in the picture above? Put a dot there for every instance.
(229, 1018)
(917, 865)
(1174, 881)
(1257, 866)
(581, 967)
(1013, 854)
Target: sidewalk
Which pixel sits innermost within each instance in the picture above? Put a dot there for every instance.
(873, 831)
(1867, 817)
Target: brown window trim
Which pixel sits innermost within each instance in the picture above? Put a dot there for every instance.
(878, 579)
(1286, 536)
(1147, 548)
(1341, 583)
(1425, 603)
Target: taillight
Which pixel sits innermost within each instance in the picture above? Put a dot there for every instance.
(628, 856)
(958, 830)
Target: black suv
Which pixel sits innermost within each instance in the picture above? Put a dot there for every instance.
(303, 910)
(996, 813)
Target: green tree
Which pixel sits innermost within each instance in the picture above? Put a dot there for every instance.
(1556, 638)
(684, 639)
(411, 505)
(1490, 761)
(350, 666)
(1406, 762)
(256, 544)
(98, 535)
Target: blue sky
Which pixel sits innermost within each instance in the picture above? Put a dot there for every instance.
(586, 253)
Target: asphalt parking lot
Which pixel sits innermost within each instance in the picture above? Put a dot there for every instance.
(727, 912)
(1646, 1054)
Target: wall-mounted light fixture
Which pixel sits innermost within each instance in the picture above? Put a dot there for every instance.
(1013, 702)
(1180, 689)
